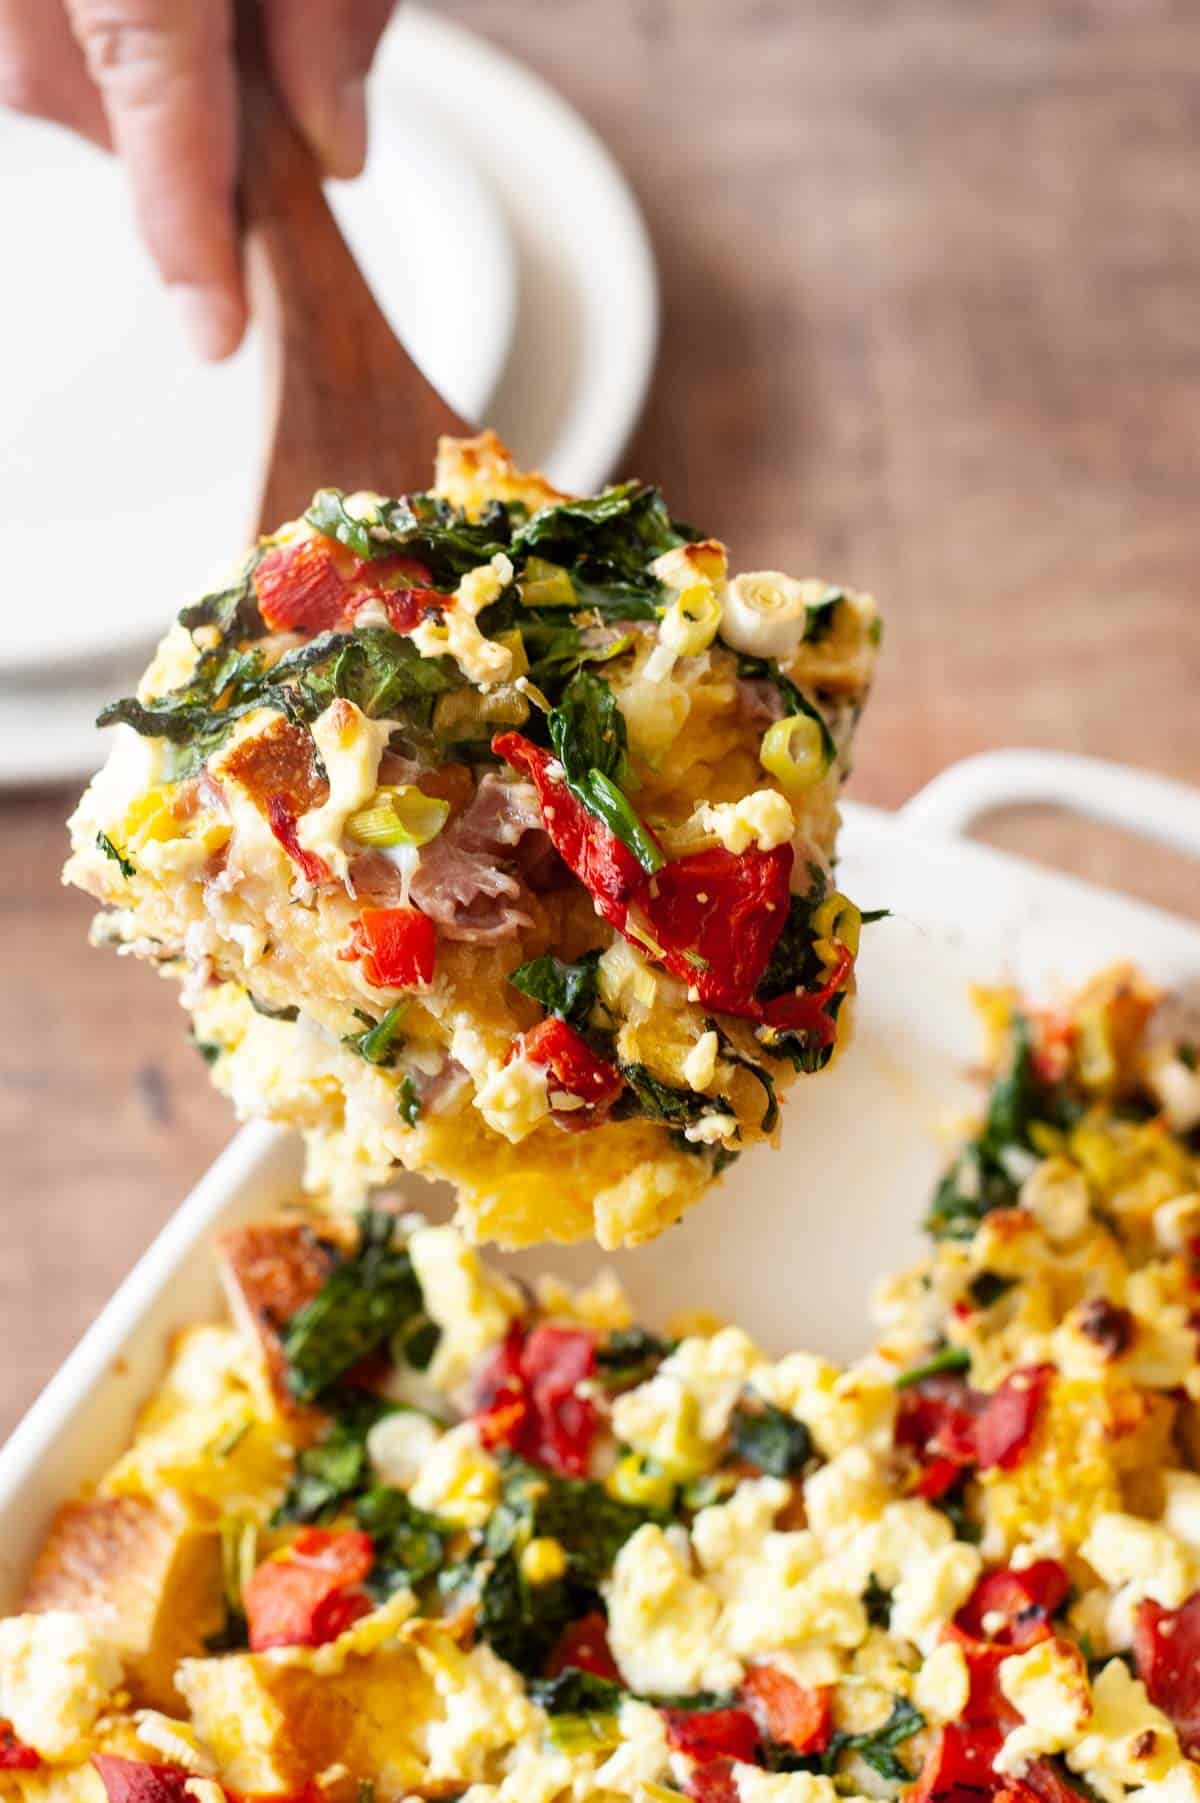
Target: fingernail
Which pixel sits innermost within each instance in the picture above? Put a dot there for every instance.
(343, 139)
(212, 319)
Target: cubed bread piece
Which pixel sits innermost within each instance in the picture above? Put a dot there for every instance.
(144, 1572)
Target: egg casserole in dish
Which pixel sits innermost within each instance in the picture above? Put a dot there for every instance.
(403, 1528)
(491, 835)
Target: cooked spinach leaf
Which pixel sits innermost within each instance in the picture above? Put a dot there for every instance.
(409, 1544)
(521, 1622)
(288, 1012)
(608, 543)
(364, 1300)
(125, 865)
(408, 1102)
(659, 1102)
(233, 611)
(770, 1438)
(988, 1287)
(877, 1601)
(759, 1072)
(568, 990)
(327, 1475)
(587, 731)
(575, 1692)
(878, 1748)
(381, 671)
(989, 1171)
(380, 1040)
(420, 526)
(629, 1356)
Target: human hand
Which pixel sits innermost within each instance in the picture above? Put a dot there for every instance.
(154, 81)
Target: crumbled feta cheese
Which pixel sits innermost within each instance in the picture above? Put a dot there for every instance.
(515, 1098)
(662, 1620)
(458, 1479)
(482, 660)
(1181, 1513)
(840, 1408)
(1056, 1195)
(1048, 1686)
(756, 1786)
(931, 1590)
(700, 1065)
(471, 1304)
(1129, 1741)
(1125, 1550)
(942, 1686)
(57, 1672)
(763, 817)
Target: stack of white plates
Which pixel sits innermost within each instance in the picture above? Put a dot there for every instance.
(502, 242)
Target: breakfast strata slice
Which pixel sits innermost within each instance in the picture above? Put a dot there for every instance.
(490, 834)
(406, 1529)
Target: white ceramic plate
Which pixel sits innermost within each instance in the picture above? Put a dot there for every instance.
(791, 1242)
(510, 168)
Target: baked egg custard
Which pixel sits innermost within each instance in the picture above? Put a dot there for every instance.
(490, 833)
(402, 1528)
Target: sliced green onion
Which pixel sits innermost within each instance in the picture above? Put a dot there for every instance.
(469, 713)
(690, 624)
(545, 584)
(583, 1733)
(950, 1358)
(793, 752)
(837, 920)
(512, 641)
(239, 1556)
(399, 815)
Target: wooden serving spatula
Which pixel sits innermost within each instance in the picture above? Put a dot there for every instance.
(347, 406)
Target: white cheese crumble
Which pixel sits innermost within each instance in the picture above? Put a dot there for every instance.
(481, 660)
(470, 1303)
(351, 747)
(57, 1672)
(763, 817)
(515, 1098)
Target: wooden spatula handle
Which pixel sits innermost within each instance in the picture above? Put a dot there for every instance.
(348, 405)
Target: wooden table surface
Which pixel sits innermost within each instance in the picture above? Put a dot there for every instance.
(931, 276)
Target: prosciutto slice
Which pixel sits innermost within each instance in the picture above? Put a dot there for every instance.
(472, 880)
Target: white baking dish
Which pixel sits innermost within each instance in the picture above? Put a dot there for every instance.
(791, 1242)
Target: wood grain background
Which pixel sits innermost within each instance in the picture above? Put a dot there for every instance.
(932, 324)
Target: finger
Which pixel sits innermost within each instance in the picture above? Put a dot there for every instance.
(321, 51)
(164, 69)
(42, 71)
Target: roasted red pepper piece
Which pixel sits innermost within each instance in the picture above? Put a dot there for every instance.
(139, 1781)
(952, 1427)
(573, 1066)
(807, 1011)
(799, 1716)
(712, 1782)
(282, 822)
(406, 607)
(717, 916)
(607, 869)
(307, 1596)
(583, 1647)
(15, 1756)
(706, 1734)
(398, 947)
(1006, 1424)
(1024, 1600)
(986, 1702)
(1166, 1650)
(937, 1420)
(958, 1767)
(527, 1397)
(300, 588)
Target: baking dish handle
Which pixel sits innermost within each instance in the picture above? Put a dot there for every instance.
(1114, 794)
